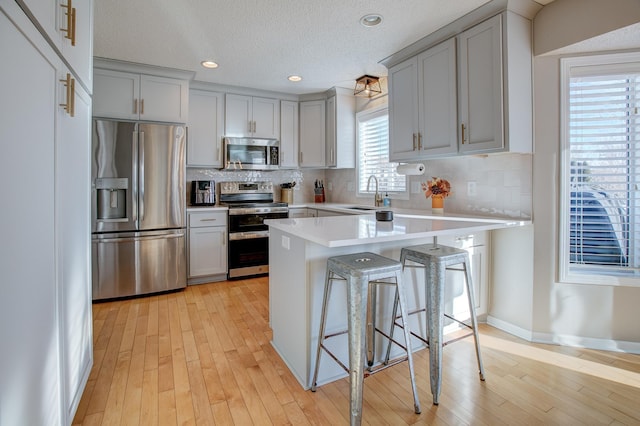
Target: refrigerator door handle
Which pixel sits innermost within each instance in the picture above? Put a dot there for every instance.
(134, 176)
(150, 237)
(141, 178)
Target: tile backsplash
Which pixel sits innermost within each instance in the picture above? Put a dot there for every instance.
(502, 184)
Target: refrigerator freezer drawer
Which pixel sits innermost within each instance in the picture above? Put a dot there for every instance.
(138, 263)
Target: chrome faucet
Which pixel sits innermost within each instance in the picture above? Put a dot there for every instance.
(377, 196)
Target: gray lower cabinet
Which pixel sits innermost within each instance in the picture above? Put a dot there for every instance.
(207, 246)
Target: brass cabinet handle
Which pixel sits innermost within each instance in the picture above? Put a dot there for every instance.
(135, 106)
(300, 157)
(73, 25)
(414, 142)
(141, 106)
(72, 99)
(464, 137)
(69, 14)
(70, 86)
(419, 141)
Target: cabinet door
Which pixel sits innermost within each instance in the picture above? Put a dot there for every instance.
(455, 290)
(115, 94)
(163, 99)
(481, 95)
(205, 129)
(207, 251)
(403, 110)
(237, 118)
(289, 134)
(437, 90)
(79, 53)
(28, 307)
(312, 134)
(297, 212)
(345, 131)
(48, 13)
(73, 245)
(266, 118)
(330, 139)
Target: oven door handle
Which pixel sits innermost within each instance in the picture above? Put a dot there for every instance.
(235, 236)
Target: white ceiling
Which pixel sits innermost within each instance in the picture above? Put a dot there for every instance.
(259, 43)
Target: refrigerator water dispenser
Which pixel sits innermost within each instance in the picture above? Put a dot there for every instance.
(112, 198)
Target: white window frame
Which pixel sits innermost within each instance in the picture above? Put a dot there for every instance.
(398, 195)
(574, 66)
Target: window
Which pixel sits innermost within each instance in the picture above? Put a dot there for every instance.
(600, 218)
(373, 155)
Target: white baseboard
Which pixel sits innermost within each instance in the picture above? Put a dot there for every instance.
(566, 340)
(510, 328)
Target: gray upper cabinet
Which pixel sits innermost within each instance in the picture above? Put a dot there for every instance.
(423, 122)
(312, 134)
(205, 129)
(248, 116)
(480, 97)
(474, 101)
(403, 110)
(289, 134)
(133, 96)
(341, 130)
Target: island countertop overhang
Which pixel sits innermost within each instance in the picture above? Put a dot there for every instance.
(349, 230)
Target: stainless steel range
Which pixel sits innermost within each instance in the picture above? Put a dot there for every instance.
(250, 203)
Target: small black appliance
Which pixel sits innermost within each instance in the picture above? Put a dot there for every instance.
(203, 193)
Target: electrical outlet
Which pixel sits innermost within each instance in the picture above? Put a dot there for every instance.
(471, 189)
(286, 242)
(330, 186)
(416, 188)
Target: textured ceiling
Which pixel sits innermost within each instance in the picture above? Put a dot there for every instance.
(258, 43)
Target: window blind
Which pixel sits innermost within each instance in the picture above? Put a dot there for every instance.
(604, 162)
(373, 154)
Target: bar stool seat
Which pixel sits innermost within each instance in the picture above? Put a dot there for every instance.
(436, 259)
(362, 272)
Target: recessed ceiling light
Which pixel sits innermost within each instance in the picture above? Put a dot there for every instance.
(294, 78)
(209, 64)
(371, 20)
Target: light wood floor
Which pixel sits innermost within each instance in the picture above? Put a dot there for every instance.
(202, 357)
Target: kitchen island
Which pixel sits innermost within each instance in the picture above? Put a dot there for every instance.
(298, 251)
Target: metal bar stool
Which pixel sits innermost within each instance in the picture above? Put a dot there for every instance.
(362, 272)
(436, 259)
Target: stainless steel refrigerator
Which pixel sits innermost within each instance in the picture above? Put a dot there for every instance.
(138, 208)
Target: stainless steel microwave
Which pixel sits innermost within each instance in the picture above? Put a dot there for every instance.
(251, 154)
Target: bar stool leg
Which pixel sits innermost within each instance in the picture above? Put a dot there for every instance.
(323, 320)
(394, 313)
(474, 321)
(401, 299)
(435, 278)
(357, 315)
(371, 324)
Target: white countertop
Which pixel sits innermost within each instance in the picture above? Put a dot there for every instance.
(348, 230)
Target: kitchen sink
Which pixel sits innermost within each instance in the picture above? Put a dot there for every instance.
(360, 208)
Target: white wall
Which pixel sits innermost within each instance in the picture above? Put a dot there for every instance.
(594, 316)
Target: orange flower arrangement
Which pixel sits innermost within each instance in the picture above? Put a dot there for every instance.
(436, 187)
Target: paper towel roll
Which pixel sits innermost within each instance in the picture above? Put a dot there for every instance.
(410, 169)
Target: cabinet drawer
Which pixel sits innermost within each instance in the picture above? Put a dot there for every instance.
(199, 220)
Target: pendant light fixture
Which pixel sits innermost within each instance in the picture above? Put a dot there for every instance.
(368, 86)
